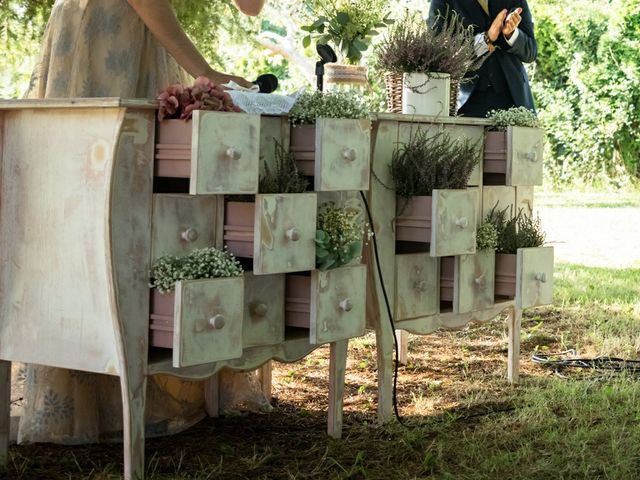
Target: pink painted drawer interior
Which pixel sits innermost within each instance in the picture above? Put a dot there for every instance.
(413, 223)
(505, 284)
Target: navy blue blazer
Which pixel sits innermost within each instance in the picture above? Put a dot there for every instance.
(509, 58)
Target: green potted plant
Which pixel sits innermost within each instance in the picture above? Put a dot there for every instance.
(519, 235)
(430, 174)
(330, 139)
(513, 148)
(281, 216)
(169, 273)
(420, 62)
(350, 26)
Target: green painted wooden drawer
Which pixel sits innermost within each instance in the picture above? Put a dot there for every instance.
(469, 281)
(454, 222)
(284, 235)
(263, 310)
(515, 156)
(534, 278)
(217, 151)
(203, 318)
(416, 286)
(181, 223)
(331, 304)
(343, 149)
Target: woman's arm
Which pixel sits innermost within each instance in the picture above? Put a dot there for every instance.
(250, 7)
(161, 20)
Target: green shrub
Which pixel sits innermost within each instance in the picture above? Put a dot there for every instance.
(432, 161)
(515, 231)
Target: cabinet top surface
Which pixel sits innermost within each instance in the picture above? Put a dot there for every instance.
(107, 102)
(144, 103)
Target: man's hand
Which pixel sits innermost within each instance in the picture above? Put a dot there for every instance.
(511, 23)
(497, 26)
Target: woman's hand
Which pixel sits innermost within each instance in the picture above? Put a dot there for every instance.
(222, 78)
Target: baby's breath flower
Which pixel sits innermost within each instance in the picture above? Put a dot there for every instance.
(513, 117)
(199, 263)
(340, 104)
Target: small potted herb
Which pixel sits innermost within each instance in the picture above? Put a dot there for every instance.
(513, 148)
(420, 62)
(515, 234)
(350, 26)
(282, 215)
(430, 173)
(169, 272)
(330, 139)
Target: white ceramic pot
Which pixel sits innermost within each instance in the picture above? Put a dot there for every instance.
(426, 94)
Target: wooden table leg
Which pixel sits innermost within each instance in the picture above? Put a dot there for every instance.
(385, 354)
(134, 392)
(513, 363)
(5, 410)
(265, 379)
(337, 368)
(212, 396)
(402, 336)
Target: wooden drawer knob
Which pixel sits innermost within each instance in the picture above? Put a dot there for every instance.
(293, 234)
(462, 222)
(532, 156)
(217, 322)
(233, 154)
(541, 277)
(480, 281)
(189, 235)
(259, 309)
(346, 305)
(349, 154)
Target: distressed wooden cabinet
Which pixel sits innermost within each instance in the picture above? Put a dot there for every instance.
(79, 232)
(449, 284)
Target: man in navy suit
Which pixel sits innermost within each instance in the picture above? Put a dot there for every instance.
(503, 31)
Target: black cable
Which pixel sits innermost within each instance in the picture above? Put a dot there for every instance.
(612, 364)
(386, 301)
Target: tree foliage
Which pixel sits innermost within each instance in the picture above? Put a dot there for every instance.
(587, 86)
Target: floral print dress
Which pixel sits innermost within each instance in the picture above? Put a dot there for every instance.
(98, 48)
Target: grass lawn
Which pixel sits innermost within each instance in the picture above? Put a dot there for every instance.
(464, 421)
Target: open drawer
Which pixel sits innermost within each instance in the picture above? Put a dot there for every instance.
(217, 151)
(335, 151)
(181, 223)
(263, 322)
(277, 231)
(331, 304)
(526, 276)
(416, 286)
(201, 320)
(514, 157)
(467, 281)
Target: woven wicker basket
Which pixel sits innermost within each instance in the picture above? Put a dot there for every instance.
(393, 85)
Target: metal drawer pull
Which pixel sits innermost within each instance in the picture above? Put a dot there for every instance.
(541, 277)
(462, 222)
(349, 154)
(480, 281)
(217, 322)
(293, 234)
(233, 154)
(189, 235)
(259, 309)
(346, 305)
